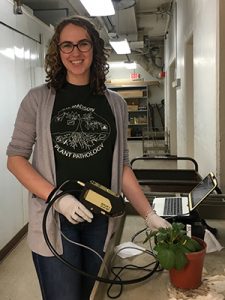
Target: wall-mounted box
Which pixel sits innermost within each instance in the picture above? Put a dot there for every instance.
(176, 83)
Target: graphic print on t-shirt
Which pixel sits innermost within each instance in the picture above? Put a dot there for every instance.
(79, 132)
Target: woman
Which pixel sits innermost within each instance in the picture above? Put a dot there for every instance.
(78, 130)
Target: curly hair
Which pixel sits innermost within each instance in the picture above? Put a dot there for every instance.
(56, 71)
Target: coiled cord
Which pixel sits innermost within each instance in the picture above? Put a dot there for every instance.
(55, 197)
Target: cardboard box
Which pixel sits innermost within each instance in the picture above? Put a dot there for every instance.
(132, 107)
(131, 94)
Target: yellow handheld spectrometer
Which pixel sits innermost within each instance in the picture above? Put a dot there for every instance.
(99, 199)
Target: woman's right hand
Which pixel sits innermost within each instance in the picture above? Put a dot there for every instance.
(72, 209)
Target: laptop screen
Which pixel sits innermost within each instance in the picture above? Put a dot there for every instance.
(203, 189)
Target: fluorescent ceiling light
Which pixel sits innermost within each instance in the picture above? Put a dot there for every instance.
(116, 64)
(121, 46)
(130, 65)
(121, 64)
(99, 8)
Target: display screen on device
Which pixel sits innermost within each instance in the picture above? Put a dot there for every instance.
(203, 188)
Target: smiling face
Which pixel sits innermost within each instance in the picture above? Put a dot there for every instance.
(77, 63)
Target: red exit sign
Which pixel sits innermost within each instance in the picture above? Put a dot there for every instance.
(135, 76)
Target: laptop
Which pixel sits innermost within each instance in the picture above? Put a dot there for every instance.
(183, 205)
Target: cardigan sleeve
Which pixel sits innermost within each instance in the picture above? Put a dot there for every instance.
(125, 129)
(24, 134)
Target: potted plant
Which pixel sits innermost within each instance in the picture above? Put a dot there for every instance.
(182, 255)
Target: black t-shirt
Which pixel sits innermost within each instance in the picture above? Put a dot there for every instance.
(83, 133)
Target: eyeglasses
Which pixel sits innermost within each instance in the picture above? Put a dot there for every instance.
(82, 46)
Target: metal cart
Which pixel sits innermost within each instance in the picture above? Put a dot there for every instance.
(167, 180)
(156, 143)
(173, 181)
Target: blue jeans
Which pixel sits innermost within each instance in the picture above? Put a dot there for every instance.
(58, 281)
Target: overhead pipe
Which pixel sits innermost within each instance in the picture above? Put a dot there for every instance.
(168, 18)
(17, 8)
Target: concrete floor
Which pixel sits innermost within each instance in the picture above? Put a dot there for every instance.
(18, 280)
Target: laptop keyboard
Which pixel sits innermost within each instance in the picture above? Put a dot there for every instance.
(173, 206)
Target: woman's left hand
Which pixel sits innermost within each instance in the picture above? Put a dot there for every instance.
(154, 222)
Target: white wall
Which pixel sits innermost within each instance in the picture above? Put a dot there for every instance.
(21, 63)
(200, 20)
(221, 93)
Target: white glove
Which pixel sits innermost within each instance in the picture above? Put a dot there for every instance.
(72, 209)
(154, 222)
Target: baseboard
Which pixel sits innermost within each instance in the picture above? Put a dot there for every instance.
(13, 242)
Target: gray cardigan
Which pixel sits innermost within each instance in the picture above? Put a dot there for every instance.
(32, 135)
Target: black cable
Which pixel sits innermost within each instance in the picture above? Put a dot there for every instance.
(136, 234)
(71, 266)
(129, 267)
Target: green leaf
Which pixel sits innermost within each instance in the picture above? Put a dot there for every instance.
(178, 226)
(166, 258)
(192, 245)
(149, 235)
(196, 244)
(180, 261)
(171, 246)
(184, 249)
(162, 236)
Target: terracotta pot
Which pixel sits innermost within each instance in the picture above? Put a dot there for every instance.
(190, 277)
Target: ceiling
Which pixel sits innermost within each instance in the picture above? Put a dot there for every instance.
(143, 22)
